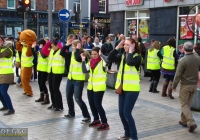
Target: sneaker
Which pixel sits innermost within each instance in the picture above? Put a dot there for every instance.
(192, 128)
(58, 109)
(86, 120)
(18, 84)
(95, 123)
(103, 127)
(69, 116)
(123, 138)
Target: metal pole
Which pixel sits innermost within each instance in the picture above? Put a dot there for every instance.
(37, 26)
(95, 30)
(65, 31)
(80, 20)
(50, 19)
(25, 20)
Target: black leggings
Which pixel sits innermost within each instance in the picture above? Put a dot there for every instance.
(42, 78)
(54, 87)
(155, 75)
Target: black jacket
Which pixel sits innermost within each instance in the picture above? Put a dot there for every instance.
(105, 49)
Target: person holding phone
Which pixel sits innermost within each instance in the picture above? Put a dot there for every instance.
(128, 78)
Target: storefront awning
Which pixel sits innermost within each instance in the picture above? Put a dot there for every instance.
(17, 19)
(101, 15)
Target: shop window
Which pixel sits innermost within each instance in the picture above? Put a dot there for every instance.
(143, 28)
(11, 4)
(132, 27)
(32, 4)
(76, 7)
(131, 14)
(144, 13)
(102, 6)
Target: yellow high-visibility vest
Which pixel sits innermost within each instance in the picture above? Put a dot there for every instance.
(97, 78)
(153, 61)
(75, 70)
(6, 64)
(26, 61)
(42, 63)
(131, 78)
(56, 63)
(168, 58)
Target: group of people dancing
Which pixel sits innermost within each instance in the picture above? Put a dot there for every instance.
(54, 60)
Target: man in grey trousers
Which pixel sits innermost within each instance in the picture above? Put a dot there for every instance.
(187, 73)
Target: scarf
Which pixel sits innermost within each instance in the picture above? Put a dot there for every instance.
(108, 44)
(94, 62)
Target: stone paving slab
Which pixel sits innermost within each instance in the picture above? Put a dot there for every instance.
(156, 117)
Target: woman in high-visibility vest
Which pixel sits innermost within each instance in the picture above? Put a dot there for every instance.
(153, 64)
(129, 80)
(42, 68)
(169, 62)
(75, 83)
(6, 75)
(56, 67)
(96, 87)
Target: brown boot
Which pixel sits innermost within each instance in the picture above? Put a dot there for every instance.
(170, 91)
(46, 100)
(164, 89)
(41, 99)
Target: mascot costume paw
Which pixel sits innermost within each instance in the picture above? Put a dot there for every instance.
(25, 58)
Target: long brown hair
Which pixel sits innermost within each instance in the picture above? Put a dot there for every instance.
(155, 45)
(136, 44)
(86, 53)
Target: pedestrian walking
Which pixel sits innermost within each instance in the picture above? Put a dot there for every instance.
(153, 64)
(96, 87)
(6, 75)
(187, 73)
(42, 68)
(129, 80)
(75, 83)
(169, 62)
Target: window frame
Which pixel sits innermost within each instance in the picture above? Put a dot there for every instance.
(13, 5)
(33, 1)
(105, 6)
(53, 5)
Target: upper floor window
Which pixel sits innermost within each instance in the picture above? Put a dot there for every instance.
(11, 4)
(102, 6)
(33, 5)
(53, 5)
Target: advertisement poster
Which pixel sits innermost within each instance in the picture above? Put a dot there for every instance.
(132, 27)
(144, 28)
(185, 32)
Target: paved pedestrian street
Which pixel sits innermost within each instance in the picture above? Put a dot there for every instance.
(156, 117)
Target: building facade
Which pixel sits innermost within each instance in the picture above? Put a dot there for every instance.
(156, 19)
(11, 23)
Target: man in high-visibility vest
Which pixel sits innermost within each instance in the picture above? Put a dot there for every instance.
(27, 39)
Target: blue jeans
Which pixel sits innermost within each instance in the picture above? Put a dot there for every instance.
(126, 103)
(5, 98)
(19, 80)
(95, 101)
(169, 78)
(75, 88)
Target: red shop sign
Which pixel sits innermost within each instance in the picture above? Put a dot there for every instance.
(134, 2)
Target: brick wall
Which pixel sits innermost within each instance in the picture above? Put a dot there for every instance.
(59, 4)
(3, 4)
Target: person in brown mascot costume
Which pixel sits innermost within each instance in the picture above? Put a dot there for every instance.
(27, 39)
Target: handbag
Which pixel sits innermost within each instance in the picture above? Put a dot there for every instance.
(119, 90)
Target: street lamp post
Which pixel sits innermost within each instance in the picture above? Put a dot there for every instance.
(96, 21)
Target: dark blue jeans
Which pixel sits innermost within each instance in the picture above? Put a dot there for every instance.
(169, 78)
(95, 101)
(75, 88)
(5, 98)
(126, 103)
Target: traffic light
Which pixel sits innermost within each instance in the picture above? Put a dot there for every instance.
(20, 9)
(34, 19)
(27, 5)
(77, 17)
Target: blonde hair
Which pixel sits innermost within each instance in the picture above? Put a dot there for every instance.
(155, 45)
(75, 42)
(70, 37)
